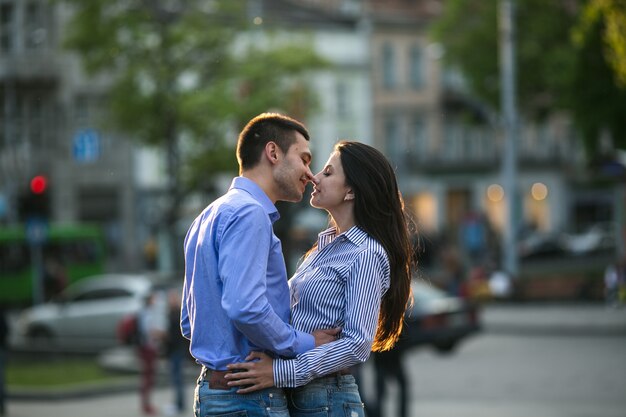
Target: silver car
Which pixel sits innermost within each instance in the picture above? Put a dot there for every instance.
(85, 317)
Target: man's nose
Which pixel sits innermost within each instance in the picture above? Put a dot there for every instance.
(310, 176)
(315, 179)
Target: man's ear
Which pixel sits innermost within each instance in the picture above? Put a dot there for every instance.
(272, 152)
(349, 196)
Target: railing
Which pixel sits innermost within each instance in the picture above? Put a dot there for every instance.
(464, 147)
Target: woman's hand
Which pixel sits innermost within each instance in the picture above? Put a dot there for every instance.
(255, 375)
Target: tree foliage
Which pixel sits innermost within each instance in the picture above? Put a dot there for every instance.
(612, 15)
(181, 79)
(560, 59)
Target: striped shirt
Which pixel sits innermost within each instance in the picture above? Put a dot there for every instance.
(340, 284)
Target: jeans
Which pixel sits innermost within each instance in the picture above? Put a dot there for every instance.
(270, 402)
(176, 359)
(330, 396)
(149, 357)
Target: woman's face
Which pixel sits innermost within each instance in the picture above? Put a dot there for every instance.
(330, 188)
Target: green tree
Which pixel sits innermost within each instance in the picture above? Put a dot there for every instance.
(553, 71)
(612, 16)
(184, 79)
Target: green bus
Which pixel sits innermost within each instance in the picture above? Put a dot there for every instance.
(77, 251)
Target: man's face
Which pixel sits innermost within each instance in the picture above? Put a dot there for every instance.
(293, 171)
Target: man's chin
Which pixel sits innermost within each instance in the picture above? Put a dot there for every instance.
(292, 199)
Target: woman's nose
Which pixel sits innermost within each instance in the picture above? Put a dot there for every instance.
(316, 178)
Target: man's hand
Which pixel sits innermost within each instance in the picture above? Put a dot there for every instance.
(254, 375)
(324, 336)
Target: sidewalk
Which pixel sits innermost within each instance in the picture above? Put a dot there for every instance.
(555, 319)
(592, 319)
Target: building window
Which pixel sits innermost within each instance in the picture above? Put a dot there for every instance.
(389, 67)
(36, 28)
(343, 102)
(393, 145)
(7, 25)
(419, 138)
(417, 67)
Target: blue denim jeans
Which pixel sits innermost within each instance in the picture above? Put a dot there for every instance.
(176, 359)
(270, 402)
(330, 396)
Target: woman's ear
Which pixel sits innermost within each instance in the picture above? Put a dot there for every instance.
(349, 196)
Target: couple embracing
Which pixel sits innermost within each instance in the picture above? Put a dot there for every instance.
(273, 347)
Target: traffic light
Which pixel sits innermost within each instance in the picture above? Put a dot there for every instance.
(34, 202)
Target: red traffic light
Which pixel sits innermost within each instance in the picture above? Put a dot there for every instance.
(38, 184)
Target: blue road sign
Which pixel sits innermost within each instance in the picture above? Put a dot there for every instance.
(86, 146)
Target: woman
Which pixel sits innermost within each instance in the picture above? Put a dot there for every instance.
(356, 277)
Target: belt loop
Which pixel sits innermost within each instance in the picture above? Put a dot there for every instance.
(338, 377)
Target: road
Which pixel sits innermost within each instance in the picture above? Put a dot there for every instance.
(518, 375)
(549, 361)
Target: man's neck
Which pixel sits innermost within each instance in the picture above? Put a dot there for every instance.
(262, 179)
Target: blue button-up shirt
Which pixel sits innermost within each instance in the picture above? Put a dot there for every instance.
(235, 295)
(340, 284)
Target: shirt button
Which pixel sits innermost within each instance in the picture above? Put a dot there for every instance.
(271, 395)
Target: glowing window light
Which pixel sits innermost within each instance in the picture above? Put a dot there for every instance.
(495, 193)
(539, 191)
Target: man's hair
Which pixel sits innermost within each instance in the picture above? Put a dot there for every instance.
(264, 128)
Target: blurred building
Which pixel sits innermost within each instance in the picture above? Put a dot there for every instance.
(50, 116)
(446, 145)
(386, 85)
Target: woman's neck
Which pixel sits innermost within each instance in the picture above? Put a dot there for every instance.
(343, 221)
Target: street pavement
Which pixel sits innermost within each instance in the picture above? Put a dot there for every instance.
(555, 318)
(120, 399)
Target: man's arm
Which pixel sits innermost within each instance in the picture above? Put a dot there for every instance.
(244, 245)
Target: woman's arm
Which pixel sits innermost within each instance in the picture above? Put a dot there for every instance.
(363, 294)
(256, 374)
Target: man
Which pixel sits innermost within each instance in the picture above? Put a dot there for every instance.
(235, 295)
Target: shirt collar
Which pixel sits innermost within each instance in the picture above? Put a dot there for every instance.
(252, 188)
(355, 234)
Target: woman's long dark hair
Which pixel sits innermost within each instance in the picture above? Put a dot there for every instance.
(379, 211)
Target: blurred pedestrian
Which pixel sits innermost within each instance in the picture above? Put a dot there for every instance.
(473, 238)
(176, 350)
(388, 367)
(4, 341)
(152, 331)
(615, 282)
(452, 277)
(54, 277)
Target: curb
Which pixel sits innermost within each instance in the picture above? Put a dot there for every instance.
(74, 392)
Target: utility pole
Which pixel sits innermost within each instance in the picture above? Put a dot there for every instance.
(509, 121)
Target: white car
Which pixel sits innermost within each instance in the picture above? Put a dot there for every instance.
(85, 317)
(600, 236)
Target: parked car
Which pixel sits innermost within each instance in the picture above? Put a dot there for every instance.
(438, 320)
(597, 237)
(85, 316)
(539, 245)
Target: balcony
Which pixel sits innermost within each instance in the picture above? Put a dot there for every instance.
(30, 66)
(479, 149)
